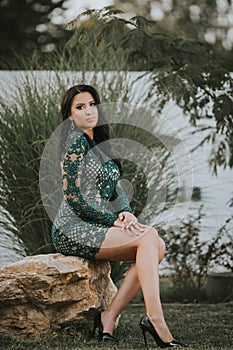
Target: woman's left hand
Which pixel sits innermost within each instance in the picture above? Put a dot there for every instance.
(130, 223)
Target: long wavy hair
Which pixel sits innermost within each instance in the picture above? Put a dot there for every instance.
(100, 131)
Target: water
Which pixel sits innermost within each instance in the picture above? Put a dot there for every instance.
(10, 250)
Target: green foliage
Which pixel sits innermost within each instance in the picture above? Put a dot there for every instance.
(190, 19)
(106, 30)
(189, 257)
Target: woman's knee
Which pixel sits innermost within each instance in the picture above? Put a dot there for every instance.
(162, 245)
(150, 236)
(153, 233)
(162, 249)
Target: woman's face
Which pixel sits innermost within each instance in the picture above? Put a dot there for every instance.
(84, 111)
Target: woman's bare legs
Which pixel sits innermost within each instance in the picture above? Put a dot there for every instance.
(119, 246)
(126, 292)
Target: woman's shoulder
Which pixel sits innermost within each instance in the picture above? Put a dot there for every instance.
(76, 138)
(75, 141)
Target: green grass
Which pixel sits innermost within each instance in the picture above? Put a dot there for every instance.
(201, 326)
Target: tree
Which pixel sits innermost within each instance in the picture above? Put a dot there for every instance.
(208, 21)
(195, 74)
(26, 26)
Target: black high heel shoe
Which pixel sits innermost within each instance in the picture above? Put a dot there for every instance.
(102, 335)
(147, 326)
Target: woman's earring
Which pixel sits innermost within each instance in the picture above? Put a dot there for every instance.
(72, 123)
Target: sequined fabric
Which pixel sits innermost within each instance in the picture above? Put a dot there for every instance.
(93, 198)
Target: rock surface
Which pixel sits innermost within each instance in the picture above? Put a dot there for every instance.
(42, 294)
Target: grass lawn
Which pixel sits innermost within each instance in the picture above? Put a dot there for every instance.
(201, 326)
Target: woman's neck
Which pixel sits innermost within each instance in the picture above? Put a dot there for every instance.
(90, 133)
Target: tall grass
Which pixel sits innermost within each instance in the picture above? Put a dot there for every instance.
(26, 124)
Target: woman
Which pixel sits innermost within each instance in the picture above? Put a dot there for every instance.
(95, 220)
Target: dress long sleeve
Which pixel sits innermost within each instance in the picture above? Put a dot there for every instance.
(72, 176)
(119, 200)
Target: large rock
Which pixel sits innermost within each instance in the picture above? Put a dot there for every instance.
(46, 293)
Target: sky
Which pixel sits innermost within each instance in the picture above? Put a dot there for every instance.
(75, 7)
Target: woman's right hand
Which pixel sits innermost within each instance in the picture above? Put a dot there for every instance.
(135, 228)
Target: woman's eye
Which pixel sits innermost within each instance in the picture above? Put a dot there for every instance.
(82, 107)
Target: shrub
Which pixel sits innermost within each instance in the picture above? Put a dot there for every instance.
(189, 257)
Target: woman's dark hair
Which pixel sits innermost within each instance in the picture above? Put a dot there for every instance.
(101, 130)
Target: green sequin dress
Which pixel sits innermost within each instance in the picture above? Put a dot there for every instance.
(93, 198)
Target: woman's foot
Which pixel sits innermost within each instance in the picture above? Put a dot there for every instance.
(108, 322)
(147, 326)
(103, 335)
(161, 328)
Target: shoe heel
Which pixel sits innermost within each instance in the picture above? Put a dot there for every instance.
(96, 325)
(102, 336)
(147, 326)
(144, 336)
(94, 329)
